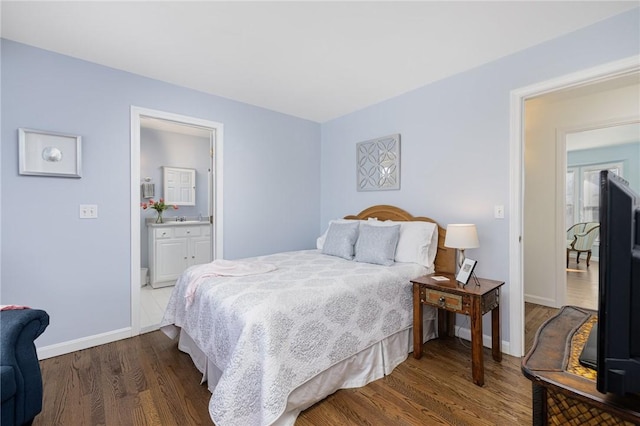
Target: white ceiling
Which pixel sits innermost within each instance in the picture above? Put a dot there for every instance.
(314, 60)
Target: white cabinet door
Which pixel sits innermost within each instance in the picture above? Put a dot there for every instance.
(171, 258)
(199, 250)
(172, 249)
(179, 186)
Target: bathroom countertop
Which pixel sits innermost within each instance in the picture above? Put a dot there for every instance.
(177, 223)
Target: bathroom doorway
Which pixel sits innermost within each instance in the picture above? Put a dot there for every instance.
(160, 141)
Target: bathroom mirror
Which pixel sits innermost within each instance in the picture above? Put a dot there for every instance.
(179, 186)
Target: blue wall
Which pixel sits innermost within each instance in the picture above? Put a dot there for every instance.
(78, 270)
(284, 177)
(628, 154)
(455, 140)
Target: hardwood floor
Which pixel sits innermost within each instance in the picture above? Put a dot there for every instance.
(582, 284)
(435, 389)
(146, 380)
(582, 291)
(535, 315)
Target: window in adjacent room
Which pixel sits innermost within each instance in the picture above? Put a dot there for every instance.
(583, 191)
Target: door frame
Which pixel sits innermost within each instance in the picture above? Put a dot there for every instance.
(516, 178)
(215, 185)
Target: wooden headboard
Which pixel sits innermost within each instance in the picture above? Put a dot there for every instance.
(445, 257)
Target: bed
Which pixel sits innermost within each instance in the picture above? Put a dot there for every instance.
(279, 333)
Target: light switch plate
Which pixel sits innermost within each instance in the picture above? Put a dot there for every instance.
(88, 211)
(498, 212)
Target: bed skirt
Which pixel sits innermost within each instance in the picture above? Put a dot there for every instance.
(371, 364)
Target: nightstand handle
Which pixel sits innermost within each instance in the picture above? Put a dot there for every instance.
(441, 301)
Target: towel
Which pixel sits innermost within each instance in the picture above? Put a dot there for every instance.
(222, 268)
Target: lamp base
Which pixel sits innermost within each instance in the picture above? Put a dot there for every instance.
(461, 258)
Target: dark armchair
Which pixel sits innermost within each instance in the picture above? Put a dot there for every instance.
(21, 387)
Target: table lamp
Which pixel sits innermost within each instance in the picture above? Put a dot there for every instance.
(461, 236)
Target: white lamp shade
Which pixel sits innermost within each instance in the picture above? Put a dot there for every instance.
(461, 236)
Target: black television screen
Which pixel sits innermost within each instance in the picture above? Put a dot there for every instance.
(618, 332)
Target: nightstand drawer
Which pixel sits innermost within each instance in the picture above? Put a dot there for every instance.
(439, 299)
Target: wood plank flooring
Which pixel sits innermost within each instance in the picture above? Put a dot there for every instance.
(582, 291)
(434, 390)
(146, 380)
(582, 284)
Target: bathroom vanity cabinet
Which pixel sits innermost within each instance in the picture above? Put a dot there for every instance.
(173, 247)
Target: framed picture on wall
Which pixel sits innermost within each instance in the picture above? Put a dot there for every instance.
(466, 270)
(43, 153)
(378, 164)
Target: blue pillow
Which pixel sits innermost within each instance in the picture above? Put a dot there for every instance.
(377, 244)
(340, 239)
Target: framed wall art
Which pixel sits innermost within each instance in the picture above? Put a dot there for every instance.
(43, 153)
(378, 164)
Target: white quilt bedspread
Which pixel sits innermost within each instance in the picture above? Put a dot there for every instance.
(272, 332)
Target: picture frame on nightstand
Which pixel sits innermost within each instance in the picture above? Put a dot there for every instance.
(465, 271)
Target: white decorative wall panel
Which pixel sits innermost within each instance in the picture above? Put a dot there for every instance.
(379, 163)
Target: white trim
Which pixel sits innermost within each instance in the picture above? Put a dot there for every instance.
(217, 130)
(561, 230)
(134, 220)
(544, 301)
(518, 96)
(82, 343)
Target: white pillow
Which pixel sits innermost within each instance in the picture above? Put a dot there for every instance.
(418, 242)
(377, 244)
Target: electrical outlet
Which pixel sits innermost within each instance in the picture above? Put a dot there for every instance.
(498, 212)
(88, 211)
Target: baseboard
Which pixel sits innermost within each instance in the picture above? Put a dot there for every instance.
(149, 328)
(544, 301)
(83, 343)
(465, 333)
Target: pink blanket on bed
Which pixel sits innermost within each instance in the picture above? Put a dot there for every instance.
(222, 268)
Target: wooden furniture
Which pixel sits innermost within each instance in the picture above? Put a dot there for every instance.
(450, 298)
(564, 392)
(175, 246)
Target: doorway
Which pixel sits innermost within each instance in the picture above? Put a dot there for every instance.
(144, 121)
(517, 201)
(615, 147)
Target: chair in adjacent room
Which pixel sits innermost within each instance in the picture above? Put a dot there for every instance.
(21, 388)
(580, 238)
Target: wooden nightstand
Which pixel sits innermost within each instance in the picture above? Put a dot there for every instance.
(451, 298)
